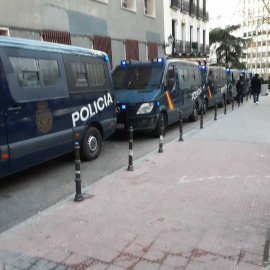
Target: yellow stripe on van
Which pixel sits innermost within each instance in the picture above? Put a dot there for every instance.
(171, 106)
(209, 91)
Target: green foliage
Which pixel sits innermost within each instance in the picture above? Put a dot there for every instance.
(229, 49)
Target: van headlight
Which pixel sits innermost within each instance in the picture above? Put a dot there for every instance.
(146, 108)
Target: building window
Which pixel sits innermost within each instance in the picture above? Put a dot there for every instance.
(102, 1)
(129, 4)
(103, 44)
(4, 32)
(56, 37)
(132, 49)
(152, 50)
(149, 8)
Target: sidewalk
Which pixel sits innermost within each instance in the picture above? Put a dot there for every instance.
(202, 204)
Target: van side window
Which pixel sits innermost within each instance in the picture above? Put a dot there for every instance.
(186, 74)
(198, 75)
(181, 75)
(26, 70)
(49, 70)
(79, 73)
(96, 74)
(171, 72)
(86, 74)
(193, 74)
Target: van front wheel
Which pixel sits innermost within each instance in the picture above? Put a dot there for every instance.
(91, 145)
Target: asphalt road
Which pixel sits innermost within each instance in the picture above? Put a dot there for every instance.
(28, 192)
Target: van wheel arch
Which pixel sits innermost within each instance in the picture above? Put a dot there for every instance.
(92, 142)
(195, 113)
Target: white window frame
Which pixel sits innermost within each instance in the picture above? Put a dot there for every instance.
(151, 4)
(102, 1)
(4, 32)
(131, 5)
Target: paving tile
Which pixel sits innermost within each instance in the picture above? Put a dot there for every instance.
(175, 261)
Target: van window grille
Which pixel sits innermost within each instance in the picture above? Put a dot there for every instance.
(96, 74)
(79, 73)
(50, 71)
(26, 70)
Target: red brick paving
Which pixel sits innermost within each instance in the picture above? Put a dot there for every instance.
(202, 204)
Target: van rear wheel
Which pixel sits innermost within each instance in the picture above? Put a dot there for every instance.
(194, 116)
(91, 145)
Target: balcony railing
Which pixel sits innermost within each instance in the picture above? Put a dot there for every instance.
(201, 48)
(184, 47)
(200, 13)
(206, 16)
(185, 6)
(175, 4)
(193, 10)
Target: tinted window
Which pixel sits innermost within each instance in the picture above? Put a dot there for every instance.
(138, 77)
(49, 70)
(96, 74)
(181, 75)
(34, 75)
(79, 74)
(86, 74)
(192, 72)
(26, 70)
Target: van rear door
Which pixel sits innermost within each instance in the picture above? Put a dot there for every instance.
(4, 153)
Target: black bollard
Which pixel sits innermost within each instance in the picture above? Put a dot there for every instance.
(239, 100)
(202, 109)
(225, 104)
(215, 110)
(130, 154)
(232, 103)
(161, 131)
(181, 126)
(78, 180)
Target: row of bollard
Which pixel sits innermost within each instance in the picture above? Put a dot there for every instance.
(79, 196)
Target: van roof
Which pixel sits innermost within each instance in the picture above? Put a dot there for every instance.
(167, 61)
(46, 46)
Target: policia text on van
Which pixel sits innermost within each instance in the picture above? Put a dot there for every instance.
(52, 96)
(147, 91)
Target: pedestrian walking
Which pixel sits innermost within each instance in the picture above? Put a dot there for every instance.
(240, 88)
(256, 88)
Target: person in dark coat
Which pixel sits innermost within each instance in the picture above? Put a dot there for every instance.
(256, 88)
(240, 88)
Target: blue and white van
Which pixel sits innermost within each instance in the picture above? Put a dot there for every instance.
(52, 96)
(147, 91)
(233, 76)
(214, 86)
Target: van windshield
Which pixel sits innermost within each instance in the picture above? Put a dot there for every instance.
(146, 77)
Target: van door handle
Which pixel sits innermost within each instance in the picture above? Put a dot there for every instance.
(15, 108)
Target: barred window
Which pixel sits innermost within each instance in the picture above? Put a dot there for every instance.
(79, 72)
(27, 71)
(96, 74)
(50, 71)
